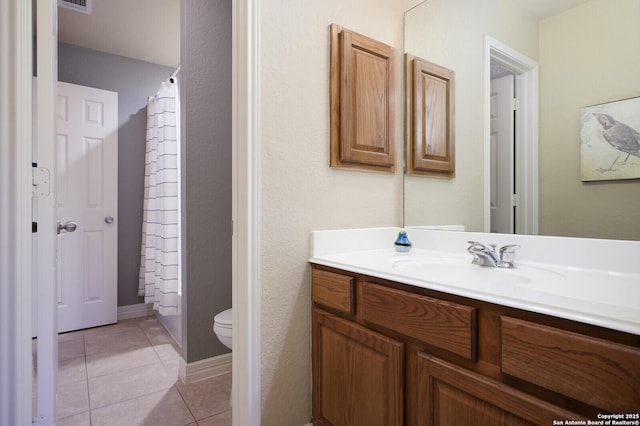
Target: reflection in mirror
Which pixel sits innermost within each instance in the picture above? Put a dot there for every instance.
(586, 54)
(501, 161)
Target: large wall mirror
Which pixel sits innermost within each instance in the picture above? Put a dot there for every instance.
(587, 53)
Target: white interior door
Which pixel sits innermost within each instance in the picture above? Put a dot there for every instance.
(502, 155)
(87, 184)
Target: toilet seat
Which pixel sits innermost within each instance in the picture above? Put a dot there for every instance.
(223, 328)
(223, 319)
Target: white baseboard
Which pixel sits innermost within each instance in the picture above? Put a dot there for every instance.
(204, 369)
(135, 311)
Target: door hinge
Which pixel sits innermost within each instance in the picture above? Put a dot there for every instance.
(515, 200)
(41, 182)
(515, 104)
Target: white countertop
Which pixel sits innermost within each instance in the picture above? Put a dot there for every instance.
(591, 281)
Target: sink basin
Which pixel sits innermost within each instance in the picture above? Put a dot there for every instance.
(460, 271)
(536, 283)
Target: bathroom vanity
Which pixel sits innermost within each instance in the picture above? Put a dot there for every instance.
(394, 344)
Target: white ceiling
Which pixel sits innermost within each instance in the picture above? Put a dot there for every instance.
(148, 30)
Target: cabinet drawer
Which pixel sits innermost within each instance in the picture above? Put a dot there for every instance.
(333, 290)
(446, 325)
(603, 374)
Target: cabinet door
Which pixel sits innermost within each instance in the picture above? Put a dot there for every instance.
(430, 118)
(362, 102)
(451, 395)
(357, 374)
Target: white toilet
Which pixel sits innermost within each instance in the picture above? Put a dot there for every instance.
(222, 327)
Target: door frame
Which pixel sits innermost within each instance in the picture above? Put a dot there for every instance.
(47, 294)
(16, 116)
(246, 212)
(21, 114)
(526, 145)
(246, 389)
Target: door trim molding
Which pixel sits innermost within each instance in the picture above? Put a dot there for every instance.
(526, 162)
(47, 294)
(246, 389)
(15, 205)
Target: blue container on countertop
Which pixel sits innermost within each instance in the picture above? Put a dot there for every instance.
(402, 242)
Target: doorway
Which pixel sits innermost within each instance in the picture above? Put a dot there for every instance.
(524, 190)
(504, 193)
(246, 251)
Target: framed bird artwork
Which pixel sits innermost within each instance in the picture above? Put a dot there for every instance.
(610, 140)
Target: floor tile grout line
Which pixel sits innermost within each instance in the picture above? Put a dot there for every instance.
(163, 363)
(159, 361)
(156, 361)
(86, 372)
(186, 404)
(119, 351)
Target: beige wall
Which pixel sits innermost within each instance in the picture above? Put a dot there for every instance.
(588, 55)
(299, 192)
(451, 33)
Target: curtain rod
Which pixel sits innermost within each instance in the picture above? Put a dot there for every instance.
(173, 74)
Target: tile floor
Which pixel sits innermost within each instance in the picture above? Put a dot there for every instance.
(127, 374)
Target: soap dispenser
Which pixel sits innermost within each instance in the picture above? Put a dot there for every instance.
(402, 242)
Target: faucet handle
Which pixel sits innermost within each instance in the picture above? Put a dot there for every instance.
(475, 244)
(473, 247)
(507, 255)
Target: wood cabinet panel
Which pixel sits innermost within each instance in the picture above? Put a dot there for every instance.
(357, 374)
(601, 373)
(430, 118)
(447, 325)
(333, 290)
(486, 363)
(362, 102)
(451, 395)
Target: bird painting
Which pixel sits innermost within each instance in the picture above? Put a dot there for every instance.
(620, 136)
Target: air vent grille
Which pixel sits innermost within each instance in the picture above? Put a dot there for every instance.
(83, 6)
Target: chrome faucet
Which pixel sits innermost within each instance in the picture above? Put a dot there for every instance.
(486, 255)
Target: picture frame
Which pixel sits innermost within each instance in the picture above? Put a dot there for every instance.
(610, 140)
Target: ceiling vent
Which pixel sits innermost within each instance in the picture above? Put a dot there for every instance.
(83, 6)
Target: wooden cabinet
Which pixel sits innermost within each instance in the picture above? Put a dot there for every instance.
(358, 374)
(363, 93)
(388, 353)
(430, 98)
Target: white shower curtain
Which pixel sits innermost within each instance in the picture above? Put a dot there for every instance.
(160, 254)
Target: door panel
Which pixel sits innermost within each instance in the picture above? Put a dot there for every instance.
(357, 374)
(87, 179)
(502, 154)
